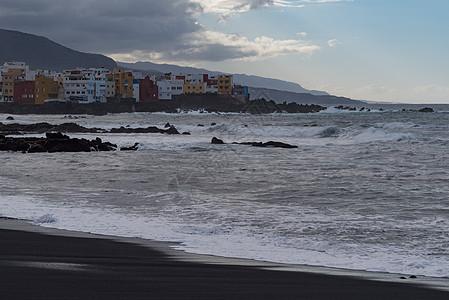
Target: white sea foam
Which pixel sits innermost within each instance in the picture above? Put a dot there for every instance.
(217, 239)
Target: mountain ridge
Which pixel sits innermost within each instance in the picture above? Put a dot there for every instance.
(46, 54)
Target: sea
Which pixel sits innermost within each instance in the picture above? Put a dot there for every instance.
(364, 190)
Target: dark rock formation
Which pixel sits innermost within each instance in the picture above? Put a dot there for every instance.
(132, 148)
(426, 109)
(10, 118)
(202, 102)
(54, 142)
(45, 127)
(217, 141)
(270, 144)
(186, 133)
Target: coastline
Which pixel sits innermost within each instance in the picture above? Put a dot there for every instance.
(87, 265)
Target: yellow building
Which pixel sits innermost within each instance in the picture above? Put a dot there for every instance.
(46, 88)
(9, 77)
(225, 84)
(119, 83)
(194, 88)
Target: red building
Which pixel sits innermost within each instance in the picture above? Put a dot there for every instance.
(24, 92)
(148, 90)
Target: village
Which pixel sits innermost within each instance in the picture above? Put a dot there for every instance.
(20, 84)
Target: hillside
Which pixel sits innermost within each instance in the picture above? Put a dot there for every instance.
(300, 98)
(41, 53)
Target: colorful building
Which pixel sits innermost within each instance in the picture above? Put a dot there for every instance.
(12, 72)
(24, 92)
(119, 84)
(148, 90)
(194, 88)
(46, 88)
(225, 84)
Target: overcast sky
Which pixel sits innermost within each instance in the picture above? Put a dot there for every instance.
(384, 50)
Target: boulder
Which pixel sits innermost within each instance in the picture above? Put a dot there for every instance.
(270, 144)
(216, 141)
(10, 118)
(426, 109)
(132, 148)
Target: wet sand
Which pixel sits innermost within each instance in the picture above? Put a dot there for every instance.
(41, 263)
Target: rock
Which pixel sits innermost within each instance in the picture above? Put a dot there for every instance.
(200, 125)
(10, 118)
(213, 124)
(413, 277)
(67, 145)
(36, 148)
(186, 133)
(172, 130)
(14, 145)
(217, 141)
(270, 144)
(132, 148)
(56, 136)
(426, 109)
(167, 125)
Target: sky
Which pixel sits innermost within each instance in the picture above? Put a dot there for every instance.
(378, 50)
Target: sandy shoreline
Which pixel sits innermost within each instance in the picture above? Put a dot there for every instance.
(39, 262)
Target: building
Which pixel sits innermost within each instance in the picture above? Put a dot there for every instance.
(211, 83)
(169, 87)
(225, 84)
(46, 88)
(119, 84)
(136, 89)
(240, 93)
(12, 72)
(85, 85)
(24, 91)
(148, 90)
(194, 88)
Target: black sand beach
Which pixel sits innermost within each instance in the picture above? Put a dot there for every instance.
(36, 265)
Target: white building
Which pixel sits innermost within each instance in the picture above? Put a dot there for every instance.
(136, 90)
(85, 85)
(169, 87)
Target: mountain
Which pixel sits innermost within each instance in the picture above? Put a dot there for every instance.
(243, 79)
(41, 53)
(300, 98)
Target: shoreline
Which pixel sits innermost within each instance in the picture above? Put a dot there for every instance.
(346, 282)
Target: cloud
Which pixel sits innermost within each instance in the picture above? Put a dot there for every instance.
(207, 45)
(163, 31)
(333, 43)
(227, 8)
(104, 25)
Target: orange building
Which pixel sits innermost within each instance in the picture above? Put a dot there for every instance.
(46, 88)
(194, 88)
(225, 84)
(119, 83)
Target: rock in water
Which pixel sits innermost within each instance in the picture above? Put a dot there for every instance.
(217, 141)
(132, 148)
(426, 109)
